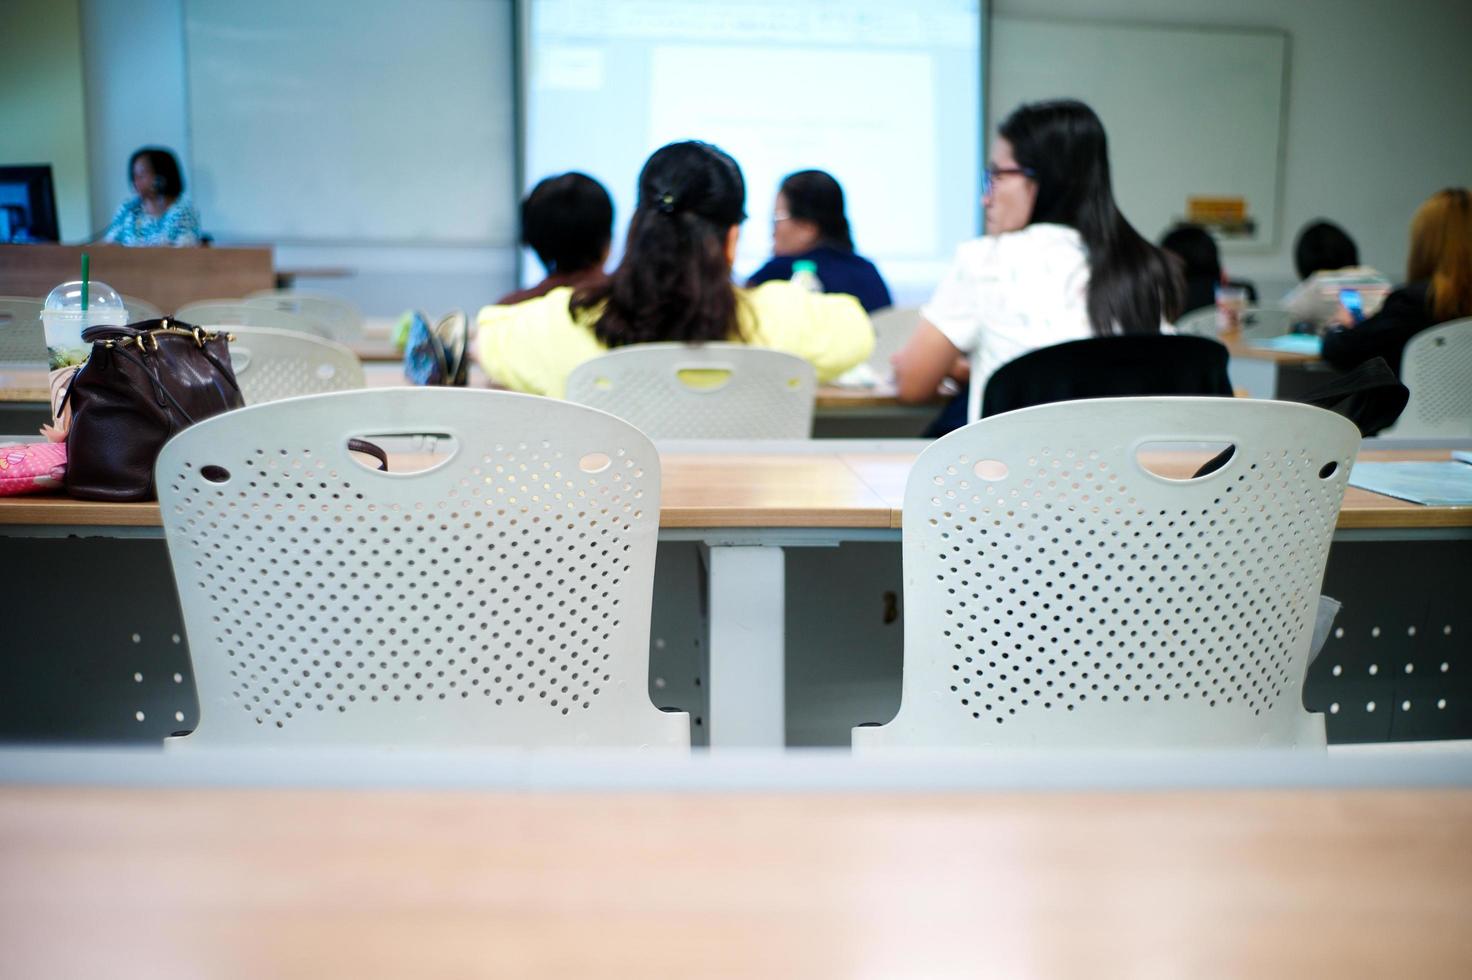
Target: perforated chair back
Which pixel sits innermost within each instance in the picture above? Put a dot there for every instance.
(892, 327)
(707, 391)
(141, 309)
(343, 320)
(22, 338)
(1265, 322)
(499, 598)
(1059, 594)
(235, 313)
(272, 364)
(1437, 368)
(1198, 323)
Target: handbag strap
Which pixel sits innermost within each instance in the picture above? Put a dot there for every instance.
(371, 449)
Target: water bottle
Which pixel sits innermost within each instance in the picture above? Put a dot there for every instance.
(805, 276)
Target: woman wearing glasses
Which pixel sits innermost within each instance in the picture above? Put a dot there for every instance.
(1058, 261)
(809, 225)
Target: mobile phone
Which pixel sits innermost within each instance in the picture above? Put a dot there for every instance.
(1350, 300)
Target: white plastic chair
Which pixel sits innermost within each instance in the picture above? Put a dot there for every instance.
(141, 309)
(343, 320)
(1080, 600)
(501, 597)
(272, 364)
(707, 391)
(1199, 323)
(892, 327)
(236, 313)
(22, 338)
(1437, 367)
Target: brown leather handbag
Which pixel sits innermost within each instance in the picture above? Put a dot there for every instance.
(141, 384)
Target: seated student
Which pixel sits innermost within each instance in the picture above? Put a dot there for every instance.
(1438, 286)
(1327, 262)
(1058, 261)
(1201, 265)
(159, 213)
(808, 224)
(568, 221)
(672, 284)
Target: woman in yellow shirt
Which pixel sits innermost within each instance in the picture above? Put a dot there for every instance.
(673, 284)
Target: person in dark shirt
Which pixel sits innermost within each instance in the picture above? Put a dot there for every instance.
(1438, 289)
(809, 224)
(568, 221)
(1201, 266)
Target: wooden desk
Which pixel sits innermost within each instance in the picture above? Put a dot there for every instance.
(166, 277)
(300, 883)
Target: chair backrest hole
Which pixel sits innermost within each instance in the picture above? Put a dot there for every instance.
(594, 463)
(1328, 470)
(1183, 462)
(240, 357)
(215, 474)
(990, 469)
(326, 371)
(603, 384)
(704, 378)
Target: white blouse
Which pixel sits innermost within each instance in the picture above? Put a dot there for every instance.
(1006, 295)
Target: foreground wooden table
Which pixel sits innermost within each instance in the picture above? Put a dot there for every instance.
(818, 487)
(281, 883)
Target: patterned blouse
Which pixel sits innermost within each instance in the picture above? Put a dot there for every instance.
(132, 225)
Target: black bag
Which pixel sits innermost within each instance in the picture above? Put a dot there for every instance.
(142, 383)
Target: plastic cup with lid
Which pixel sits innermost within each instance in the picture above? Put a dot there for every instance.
(64, 319)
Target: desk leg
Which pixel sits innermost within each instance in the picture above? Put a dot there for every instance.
(747, 617)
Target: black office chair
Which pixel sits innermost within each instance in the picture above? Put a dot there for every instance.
(1108, 367)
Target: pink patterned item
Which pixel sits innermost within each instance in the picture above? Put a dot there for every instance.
(31, 467)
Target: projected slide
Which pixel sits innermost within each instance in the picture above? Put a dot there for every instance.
(885, 96)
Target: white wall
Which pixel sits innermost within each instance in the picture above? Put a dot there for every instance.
(42, 118)
(1379, 109)
(134, 73)
(1378, 117)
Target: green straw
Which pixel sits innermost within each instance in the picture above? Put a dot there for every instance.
(86, 274)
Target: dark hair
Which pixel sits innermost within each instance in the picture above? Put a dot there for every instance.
(1196, 249)
(1323, 246)
(165, 167)
(674, 282)
(568, 221)
(813, 195)
(1132, 285)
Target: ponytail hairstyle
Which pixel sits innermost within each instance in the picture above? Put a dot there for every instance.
(674, 280)
(1441, 252)
(814, 196)
(1132, 285)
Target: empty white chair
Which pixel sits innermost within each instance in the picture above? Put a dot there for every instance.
(343, 320)
(706, 391)
(1437, 367)
(141, 309)
(892, 327)
(236, 313)
(1057, 593)
(272, 364)
(1199, 323)
(501, 597)
(22, 339)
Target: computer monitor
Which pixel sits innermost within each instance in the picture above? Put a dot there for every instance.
(27, 204)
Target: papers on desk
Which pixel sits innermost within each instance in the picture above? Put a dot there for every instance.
(1429, 484)
(1292, 343)
(858, 376)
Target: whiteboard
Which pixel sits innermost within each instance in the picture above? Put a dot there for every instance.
(1188, 111)
(353, 120)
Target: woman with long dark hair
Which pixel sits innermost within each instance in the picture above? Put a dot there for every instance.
(672, 284)
(1058, 261)
(809, 224)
